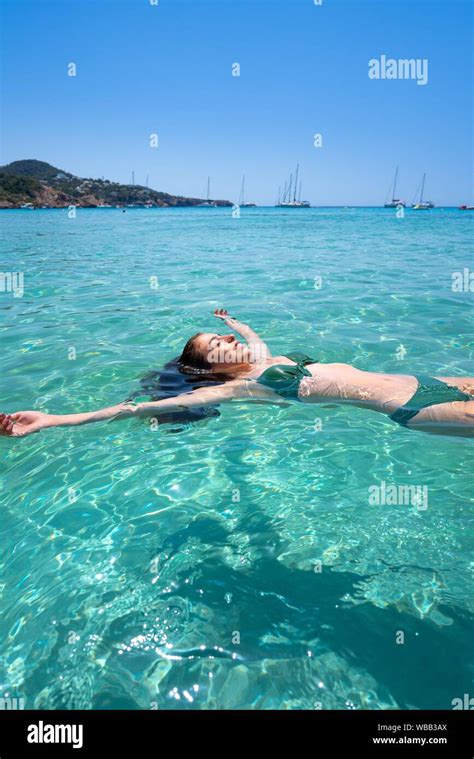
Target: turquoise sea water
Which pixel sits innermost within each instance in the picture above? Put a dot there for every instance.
(237, 563)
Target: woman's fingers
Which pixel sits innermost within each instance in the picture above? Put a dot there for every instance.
(221, 312)
(6, 424)
(10, 424)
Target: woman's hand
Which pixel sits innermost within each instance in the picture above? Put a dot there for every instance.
(22, 423)
(222, 313)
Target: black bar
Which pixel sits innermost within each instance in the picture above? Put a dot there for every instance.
(153, 733)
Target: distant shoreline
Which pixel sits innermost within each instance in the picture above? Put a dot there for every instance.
(30, 184)
(39, 185)
(216, 208)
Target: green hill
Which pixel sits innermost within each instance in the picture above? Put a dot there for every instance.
(41, 184)
(35, 169)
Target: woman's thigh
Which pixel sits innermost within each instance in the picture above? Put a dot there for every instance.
(455, 418)
(466, 384)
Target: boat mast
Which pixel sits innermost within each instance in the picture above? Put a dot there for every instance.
(289, 188)
(284, 192)
(394, 197)
(208, 185)
(296, 183)
(422, 189)
(279, 195)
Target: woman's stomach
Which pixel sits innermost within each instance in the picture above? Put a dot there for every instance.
(342, 383)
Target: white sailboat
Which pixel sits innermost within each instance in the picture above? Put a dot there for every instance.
(427, 204)
(242, 202)
(289, 201)
(394, 202)
(208, 203)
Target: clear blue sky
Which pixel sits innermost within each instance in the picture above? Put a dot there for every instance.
(166, 69)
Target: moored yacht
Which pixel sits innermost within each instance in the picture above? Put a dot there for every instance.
(208, 203)
(289, 199)
(394, 202)
(423, 205)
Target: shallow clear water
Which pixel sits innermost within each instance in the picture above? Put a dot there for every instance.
(144, 569)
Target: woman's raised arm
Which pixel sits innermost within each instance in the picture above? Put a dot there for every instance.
(253, 340)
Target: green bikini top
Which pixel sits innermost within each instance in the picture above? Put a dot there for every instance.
(285, 379)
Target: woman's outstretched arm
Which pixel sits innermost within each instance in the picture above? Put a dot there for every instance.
(244, 331)
(26, 422)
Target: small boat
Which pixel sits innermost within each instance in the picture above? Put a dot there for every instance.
(208, 203)
(466, 208)
(394, 202)
(242, 202)
(27, 206)
(427, 204)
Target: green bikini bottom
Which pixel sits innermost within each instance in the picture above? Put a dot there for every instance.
(430, 392)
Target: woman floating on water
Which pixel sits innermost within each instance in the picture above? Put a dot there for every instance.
(441, 406)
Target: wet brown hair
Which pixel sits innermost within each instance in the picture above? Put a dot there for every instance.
(192, 358)
(192, 361)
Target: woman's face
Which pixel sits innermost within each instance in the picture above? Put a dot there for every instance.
(224, 352)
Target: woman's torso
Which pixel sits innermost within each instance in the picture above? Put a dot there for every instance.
(342, 383)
